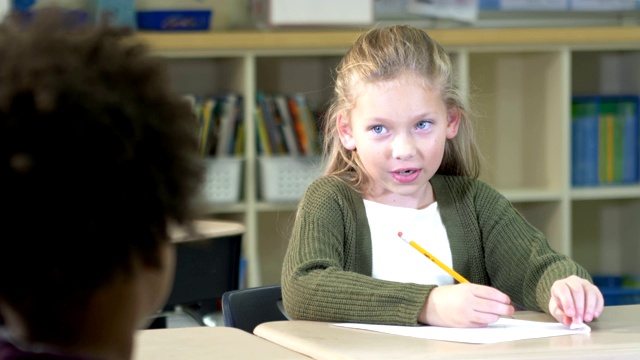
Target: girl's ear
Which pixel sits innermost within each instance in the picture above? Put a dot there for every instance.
(453, 123)
(345, 132)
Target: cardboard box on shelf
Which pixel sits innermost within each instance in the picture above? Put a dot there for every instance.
(305, 13)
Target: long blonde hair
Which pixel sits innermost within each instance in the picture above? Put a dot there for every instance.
(383, 54)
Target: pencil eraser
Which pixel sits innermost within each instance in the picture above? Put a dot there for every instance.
(576, 326)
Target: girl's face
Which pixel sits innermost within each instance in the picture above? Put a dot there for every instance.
(399, 129)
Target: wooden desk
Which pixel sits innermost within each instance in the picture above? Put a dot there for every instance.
(206, 229)
(200, 343)
(615, 335)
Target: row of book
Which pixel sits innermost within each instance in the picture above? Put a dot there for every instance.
(605, 134)
(285, 125)
(221, 132)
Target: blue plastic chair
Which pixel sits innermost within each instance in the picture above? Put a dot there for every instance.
(247, 308)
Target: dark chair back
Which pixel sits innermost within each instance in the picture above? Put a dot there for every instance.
(247, 308)
(205, 269)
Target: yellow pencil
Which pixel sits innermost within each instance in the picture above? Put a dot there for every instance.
(444, 267)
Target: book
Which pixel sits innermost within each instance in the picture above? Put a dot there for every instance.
(236, 146)
(286, 124)
(585, 142)
(265, 102)
(618, 144)
(207, 126)
(605, 141)
(264, 145)
(628, 110)
(227, 120)
(298, 126)
(309, 124)
(578, 147)
(611, 141)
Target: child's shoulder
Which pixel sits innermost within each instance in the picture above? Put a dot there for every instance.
(331, 186)
(457, 181)
(460, 185)
(330, 181)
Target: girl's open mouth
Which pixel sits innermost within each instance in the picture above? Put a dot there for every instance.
(405, 172)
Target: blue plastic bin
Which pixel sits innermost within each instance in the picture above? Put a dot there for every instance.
(607, 281)
(620, 296)
(174, 20)
(614, 290)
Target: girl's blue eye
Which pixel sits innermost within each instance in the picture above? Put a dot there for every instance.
(378, 129)
(422, 125)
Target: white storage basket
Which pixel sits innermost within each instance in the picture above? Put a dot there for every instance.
(223, 180)
(285, 178)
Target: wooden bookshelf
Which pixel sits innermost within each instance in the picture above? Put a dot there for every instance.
(520, 80)
(279, 40)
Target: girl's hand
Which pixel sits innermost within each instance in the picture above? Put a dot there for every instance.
(575, 300)
(465, 305)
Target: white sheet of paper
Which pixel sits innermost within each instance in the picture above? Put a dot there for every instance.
(500, 331)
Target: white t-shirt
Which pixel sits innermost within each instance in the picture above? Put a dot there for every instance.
(395, 260)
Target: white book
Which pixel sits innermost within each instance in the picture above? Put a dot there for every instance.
(227, 121)
(286, 124)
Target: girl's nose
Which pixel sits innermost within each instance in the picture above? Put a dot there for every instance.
(404, 147)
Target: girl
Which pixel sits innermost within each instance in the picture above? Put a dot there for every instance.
(402, 157)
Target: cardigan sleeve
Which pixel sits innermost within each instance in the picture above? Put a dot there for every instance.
(518, 257)
(326, 273)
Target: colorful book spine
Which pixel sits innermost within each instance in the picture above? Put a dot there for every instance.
(286, 124)
(577, 145)
(298, 126)
(584, 150)
(227, 121)
(631, 141)
(605, 145)
(309, 124)
(236, 147)
(264, 145)
(204, 112)
(265, 102)
(618, 143)
(607, 118)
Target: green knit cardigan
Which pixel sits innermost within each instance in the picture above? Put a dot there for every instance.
(326, 274)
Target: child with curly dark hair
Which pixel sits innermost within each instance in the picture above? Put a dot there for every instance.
(100, 164)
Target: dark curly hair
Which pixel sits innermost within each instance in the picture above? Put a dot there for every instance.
(100, 159)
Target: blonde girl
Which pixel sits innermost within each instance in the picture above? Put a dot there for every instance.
(401, 156)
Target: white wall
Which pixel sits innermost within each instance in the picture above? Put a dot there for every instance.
(4, 8)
